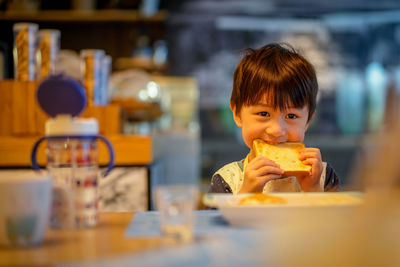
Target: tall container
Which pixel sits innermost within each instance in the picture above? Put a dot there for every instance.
(105, 77)
(47, 52)
(91, 66)
(24, 51)
(72, 151)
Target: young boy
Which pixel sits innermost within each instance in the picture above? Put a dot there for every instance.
(273, 98)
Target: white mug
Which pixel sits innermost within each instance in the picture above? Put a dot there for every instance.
(25, 206)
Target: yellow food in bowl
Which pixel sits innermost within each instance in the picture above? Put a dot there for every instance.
(259, 199)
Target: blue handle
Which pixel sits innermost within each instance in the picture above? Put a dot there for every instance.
(34, 163)
(110, 163)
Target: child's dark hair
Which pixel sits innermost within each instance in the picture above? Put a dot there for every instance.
(278, 72)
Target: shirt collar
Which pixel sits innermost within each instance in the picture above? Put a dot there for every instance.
(245, 161)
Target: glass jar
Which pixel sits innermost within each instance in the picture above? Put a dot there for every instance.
(24, 50)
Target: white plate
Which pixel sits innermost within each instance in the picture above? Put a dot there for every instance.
(299, 206)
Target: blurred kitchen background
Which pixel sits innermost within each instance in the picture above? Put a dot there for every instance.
(190, 49)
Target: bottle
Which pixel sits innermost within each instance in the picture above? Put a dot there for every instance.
(376, 83)
(350, 102)
(72, 152)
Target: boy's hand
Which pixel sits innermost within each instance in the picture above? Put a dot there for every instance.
(311, 156)
(258, 172)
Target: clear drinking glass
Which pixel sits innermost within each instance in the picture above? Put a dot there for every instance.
(176, 204)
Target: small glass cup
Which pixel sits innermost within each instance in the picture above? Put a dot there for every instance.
(176, 204)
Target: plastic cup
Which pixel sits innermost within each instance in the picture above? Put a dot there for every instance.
(25, 205)
(176, 204)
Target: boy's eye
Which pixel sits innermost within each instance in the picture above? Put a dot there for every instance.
(291, 116)
(263, 114)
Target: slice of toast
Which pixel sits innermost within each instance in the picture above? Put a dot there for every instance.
(284, 154)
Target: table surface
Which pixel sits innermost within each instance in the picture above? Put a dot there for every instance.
(62, 246)
(347, 243)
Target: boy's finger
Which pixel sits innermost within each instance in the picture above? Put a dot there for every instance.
(309, 149)
(267, 178)
(269, 170)
(310, 161)
(309, 155)
(260, 161)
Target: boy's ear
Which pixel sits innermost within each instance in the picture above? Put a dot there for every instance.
(236, 117)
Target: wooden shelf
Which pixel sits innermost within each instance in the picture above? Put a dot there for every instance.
(124, 63)
(138, 111)
(106, 15)
(129, 150)
(22, 116)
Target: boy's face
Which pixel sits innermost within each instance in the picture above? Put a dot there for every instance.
(271, 125)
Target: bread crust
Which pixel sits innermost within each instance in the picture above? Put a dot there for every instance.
(285, 154)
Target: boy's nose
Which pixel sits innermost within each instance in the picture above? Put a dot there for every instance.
(276, 129)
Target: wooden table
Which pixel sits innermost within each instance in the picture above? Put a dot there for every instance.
(84, 245)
